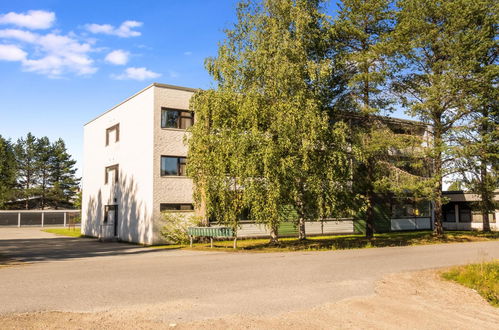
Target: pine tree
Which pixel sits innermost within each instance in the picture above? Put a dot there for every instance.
(62, 175)
(264, 138)
(8, 171)
(362, 30)
(26, 157)
(477, 153)
(434, 38)
(43, 158)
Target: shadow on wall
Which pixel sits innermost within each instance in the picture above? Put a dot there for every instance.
(134, 220)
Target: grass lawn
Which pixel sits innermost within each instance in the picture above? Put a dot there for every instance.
(340, 242)
(483, 277)
(73, 232)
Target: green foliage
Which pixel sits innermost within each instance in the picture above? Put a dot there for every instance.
(42, 169)
(482, 277)
(175, 229)
(264, 139)
(438, 47)
(8, 171)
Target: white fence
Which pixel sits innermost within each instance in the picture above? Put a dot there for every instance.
(41, 218)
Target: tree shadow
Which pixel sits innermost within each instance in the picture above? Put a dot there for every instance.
(60, 248)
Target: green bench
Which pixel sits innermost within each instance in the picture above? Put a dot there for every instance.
(211, 232)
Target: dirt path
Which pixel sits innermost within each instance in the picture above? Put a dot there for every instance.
(412, 300)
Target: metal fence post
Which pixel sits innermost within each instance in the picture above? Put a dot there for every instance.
(19, 219)
(43, 217)
(65, 213)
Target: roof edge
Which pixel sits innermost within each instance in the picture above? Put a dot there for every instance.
(180, 88)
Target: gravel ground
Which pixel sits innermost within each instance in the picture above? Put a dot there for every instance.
(413, 300)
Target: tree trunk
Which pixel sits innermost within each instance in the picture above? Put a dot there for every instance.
(274, 235)
(302, 235)
(438, 229)
(370, 200)
(487, 199)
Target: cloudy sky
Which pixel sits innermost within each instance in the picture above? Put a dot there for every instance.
(64, 62)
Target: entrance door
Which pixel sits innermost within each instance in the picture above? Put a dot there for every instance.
(111, 217)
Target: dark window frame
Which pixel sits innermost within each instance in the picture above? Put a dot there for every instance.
(117, 134)
(182, 114)
(181, 160)
(176, 207)
(116, 168)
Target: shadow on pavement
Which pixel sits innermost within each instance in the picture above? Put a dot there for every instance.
(60, 248)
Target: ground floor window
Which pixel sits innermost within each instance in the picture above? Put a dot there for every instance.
(175, 207)
(410, 208)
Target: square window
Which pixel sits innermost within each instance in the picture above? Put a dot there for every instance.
(113, 134)
(173, 166)
(173, 118)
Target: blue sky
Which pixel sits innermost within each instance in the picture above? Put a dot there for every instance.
(63, 63)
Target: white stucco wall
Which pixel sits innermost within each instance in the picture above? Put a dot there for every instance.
(169, 142)
(134, 153)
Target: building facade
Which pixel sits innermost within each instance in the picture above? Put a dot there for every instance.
(134, 165)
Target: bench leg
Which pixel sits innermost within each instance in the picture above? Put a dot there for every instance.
(235, 242)
(190, 238)
(211, 242)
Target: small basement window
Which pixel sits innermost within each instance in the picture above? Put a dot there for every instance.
(173, 166)
(174, 118)
(175, 207)
(113, 134)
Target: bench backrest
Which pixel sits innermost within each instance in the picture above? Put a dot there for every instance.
(210, 231)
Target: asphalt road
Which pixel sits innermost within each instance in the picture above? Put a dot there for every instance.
(83, 275)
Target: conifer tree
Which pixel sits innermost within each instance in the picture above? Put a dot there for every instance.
(26, 158)
(43, 158)
(477, 152)
(8, 171)
(436, 40)
(62, 175)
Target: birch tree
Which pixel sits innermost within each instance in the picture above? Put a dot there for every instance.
(264, 138)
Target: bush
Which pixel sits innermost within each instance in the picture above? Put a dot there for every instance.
(175, 229)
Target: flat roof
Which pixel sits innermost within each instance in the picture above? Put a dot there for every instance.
(155, 84)
(189, 89)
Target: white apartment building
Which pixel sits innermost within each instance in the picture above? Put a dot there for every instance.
(134, 165)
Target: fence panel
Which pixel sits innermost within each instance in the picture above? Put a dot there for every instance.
(39, 217)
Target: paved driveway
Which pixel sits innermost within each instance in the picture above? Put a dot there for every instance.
(85, 275)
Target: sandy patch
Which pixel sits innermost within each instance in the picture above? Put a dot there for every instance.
(415, 300)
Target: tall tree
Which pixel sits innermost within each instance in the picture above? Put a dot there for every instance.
(62, 175)
(8, 171)
(263, 139)
(433, 37)
(362, 30)
(477, 151)
(42, 159)
(26, 157)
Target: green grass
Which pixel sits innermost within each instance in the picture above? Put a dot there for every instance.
(73, 232)
(483, 277)
(340, 242)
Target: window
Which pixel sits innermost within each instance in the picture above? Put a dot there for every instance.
(173, 166)
(113, 134)
(175, 207)
(173, 118)
(111, 174)
(109, 213)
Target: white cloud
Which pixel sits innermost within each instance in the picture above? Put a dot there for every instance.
(124, 30)
(137, 74)
(11, 53)
(21, 35)
(188, 53)
(33, 19)
(117, 57)
(57, 54)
